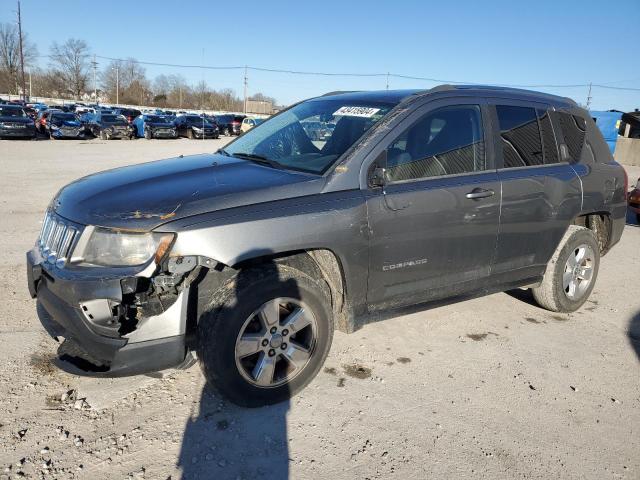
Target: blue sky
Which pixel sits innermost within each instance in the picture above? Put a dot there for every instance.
(506, 42)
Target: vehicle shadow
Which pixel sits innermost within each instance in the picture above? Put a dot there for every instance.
(634, 333)
(222, 440)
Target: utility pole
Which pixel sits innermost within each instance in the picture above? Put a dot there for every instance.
(94, 64)
(117, 84)
(180, 89)
(30, 94)
(24, 86)
(245, 89)
(589, 97)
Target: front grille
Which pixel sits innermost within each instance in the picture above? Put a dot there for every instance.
(57, 239)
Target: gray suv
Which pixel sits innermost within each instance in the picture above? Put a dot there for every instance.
(249, 258)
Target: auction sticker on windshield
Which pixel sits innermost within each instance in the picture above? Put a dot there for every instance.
(366, 112)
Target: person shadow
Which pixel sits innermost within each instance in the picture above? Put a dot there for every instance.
(633, 332)
(225, 441)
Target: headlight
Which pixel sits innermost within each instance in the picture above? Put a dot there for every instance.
(113, 248)
(54, 127)
(196, 128)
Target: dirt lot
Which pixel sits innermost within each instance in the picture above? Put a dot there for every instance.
(489, 388)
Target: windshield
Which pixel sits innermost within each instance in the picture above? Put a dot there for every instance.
(197, 120)
(11, 112)
(287, 139)
(258, 121)
(113, 118)
(156, 119)
(63, 117)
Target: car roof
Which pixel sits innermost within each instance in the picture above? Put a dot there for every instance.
(399, 96)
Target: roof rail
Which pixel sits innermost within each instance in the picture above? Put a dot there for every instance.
(337, 92)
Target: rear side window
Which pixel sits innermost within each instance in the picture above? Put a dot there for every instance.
(548, 138)
(447, 141)
(573, 132)
(520, 136)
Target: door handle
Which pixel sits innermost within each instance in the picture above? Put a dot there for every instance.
(478, 193)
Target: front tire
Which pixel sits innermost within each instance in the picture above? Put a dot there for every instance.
(571, 273)
(147, 134)
(265, 335)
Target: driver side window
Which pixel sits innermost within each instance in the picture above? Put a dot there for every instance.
(447, 141)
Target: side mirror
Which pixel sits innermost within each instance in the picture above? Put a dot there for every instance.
(378, 171)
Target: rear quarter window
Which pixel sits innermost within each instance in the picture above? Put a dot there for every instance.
(573, 133)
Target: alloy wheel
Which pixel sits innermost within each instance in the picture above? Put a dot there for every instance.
(276, 342)
(578, 272)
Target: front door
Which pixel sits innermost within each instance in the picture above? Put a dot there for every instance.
(434, 224)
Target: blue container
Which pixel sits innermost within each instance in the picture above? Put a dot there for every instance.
(608, 123)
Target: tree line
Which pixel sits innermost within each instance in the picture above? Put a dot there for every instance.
(70, 74)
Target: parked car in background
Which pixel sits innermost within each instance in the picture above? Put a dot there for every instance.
(129, 113)
(229, 124)
(249, 123)
(42, 120)
(15, 123)
(109, 126)
(154, 126)
(193, 126)
(634, 200)
(64, 125)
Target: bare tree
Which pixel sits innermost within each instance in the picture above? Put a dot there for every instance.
(128, 77)
(260, 97)
(10, 57)
(70, 62)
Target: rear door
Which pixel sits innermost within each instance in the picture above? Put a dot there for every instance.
(540, 193)
(434, 224)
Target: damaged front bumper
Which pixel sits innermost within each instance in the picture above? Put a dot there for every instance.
(111, 324)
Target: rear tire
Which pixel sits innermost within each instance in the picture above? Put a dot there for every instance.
(234, 314)
(226, 132)
(571, 273)
(638, 217)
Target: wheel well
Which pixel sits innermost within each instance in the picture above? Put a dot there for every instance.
(600, 224)
(317, 263)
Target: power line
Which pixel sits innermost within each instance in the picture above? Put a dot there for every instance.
(605, 85)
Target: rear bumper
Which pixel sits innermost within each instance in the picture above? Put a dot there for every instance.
(27, 132)
(90, 349)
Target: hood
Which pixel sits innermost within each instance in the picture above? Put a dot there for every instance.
(145, 196)
(16, 119)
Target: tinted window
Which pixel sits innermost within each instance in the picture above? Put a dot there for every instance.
(548, 138)
(573, 130)
(11, 112)
(444, 142)
(520, 136)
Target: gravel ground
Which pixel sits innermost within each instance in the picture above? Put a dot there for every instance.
(488, 388)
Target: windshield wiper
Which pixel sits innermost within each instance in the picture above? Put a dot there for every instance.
(252, 157)
(222, 151)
